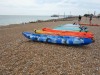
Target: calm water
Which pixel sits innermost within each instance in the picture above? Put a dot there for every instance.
(17, 19)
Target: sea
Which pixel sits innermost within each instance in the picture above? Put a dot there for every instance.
(17, 19)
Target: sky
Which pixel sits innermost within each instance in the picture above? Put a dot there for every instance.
(49, 7)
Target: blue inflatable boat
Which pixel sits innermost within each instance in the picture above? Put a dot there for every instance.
(68, 40)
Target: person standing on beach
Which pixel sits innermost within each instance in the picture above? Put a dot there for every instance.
(79, 19)
(90, 18)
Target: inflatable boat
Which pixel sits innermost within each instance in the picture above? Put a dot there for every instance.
(67, 40)
(72, 27)
(52, 30)
(64, 33)
(91, 24)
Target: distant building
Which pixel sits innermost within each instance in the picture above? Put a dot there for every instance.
(87, 15)
(98, 16)
(55, 16)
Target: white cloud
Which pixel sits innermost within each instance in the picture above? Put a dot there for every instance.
(48, 7)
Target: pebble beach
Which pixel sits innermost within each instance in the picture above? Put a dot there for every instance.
(20, 56)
